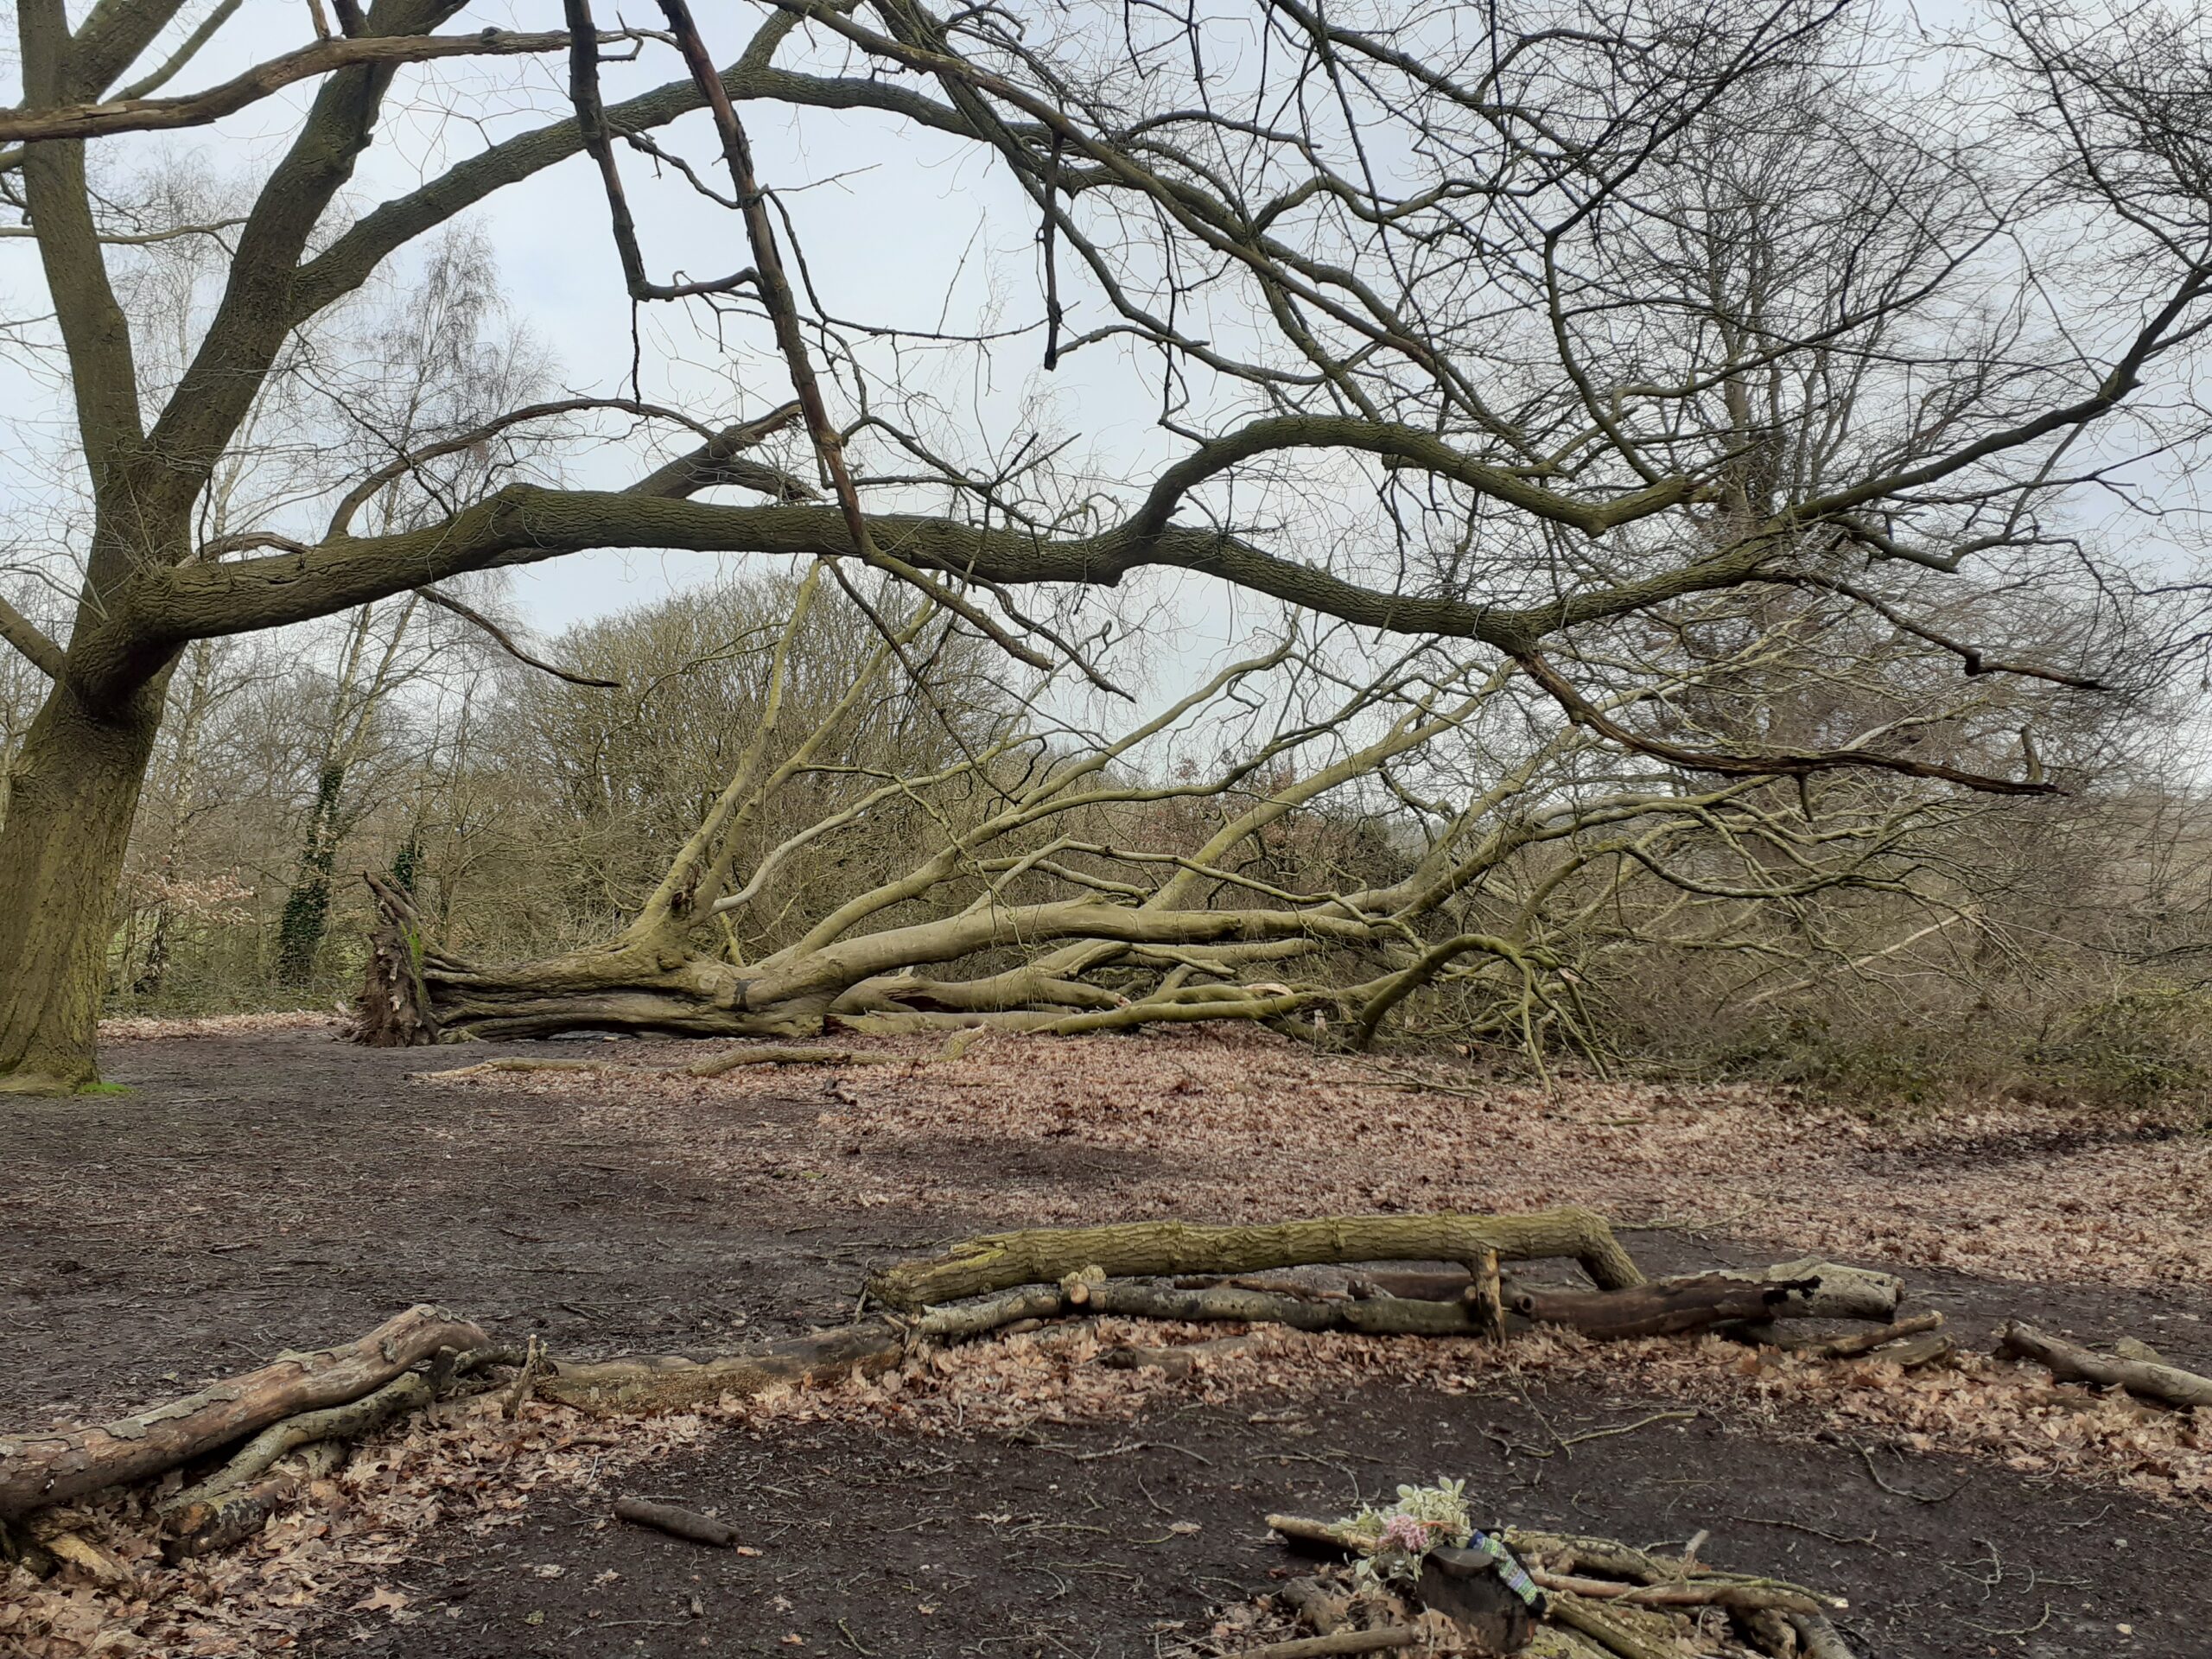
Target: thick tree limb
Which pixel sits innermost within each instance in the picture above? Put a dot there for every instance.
(410, 1391)
(667, 1381)
(1663, 1308)
(978, 1266)
(272, 75)
(39, 1470)
(1804, 1289)
(2069, 1362)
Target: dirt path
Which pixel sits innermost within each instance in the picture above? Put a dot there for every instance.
(1112, 1539)
(256, 1191)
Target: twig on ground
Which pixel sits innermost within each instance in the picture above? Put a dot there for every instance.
(1899, 1491)
(1319, 1647)
(525, 1380)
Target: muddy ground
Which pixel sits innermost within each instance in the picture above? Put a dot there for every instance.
(258, 1192)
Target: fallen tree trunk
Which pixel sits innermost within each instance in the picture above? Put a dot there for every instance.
(39, 1470)
(2167, 1385)
(1663, 1308)
(1803, 1289)
(659, 1381)
(193, 1510)
(977, 1266)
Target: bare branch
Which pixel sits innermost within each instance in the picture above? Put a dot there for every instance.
(506, 642)
(30, 125)
(32, 642)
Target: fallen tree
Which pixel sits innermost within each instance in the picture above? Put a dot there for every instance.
(1068, 882)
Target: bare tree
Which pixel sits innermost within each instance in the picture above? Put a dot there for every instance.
(1453, 337)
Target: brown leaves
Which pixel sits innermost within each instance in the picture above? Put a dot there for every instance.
(1227, 1124)
(468, 1468)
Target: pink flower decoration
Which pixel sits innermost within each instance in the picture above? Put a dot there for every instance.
(1403, 1532)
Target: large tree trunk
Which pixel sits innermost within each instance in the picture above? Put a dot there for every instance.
(307, 907)
(75, 788)
(416, 993)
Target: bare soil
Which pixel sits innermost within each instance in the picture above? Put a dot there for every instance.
(259, 1190)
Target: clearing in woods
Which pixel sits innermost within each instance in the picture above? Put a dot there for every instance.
(263, 1187)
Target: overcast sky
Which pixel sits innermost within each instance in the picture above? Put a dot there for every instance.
(897, 224)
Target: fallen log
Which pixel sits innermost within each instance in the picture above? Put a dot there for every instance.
(1663, 1308)
(714, 1066)
(993, 1262)
(39, 1470)
(191, 1509)
(1179, 1360)
(1326, 1647)
(239, 1512)
(1593, 1620)
(1864, 1341)
(1818, 1639)
(1325, 1609)
(664, 1382)
(678, 1523)
(1735, 1593)
(2167, 1385)
(1572, 1555)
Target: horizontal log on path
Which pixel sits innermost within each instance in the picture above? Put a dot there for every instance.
(1043, 1255)
(1865, 1342)
(663, 1382)
(1693, 1593)
(1696, 1302)
(38, 1470)
(1662, 1308)
(334, 1425)
(687, 1524)
(2168, 1385)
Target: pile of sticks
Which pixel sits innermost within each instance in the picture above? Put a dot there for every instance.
(1594, 1598)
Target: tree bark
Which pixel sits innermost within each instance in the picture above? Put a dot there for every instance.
(307, 907)
(1656, 1310)
(75, 790)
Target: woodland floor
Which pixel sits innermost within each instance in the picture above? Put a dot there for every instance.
(261, 1188)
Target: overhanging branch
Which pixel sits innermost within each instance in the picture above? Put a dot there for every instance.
(324, 57)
